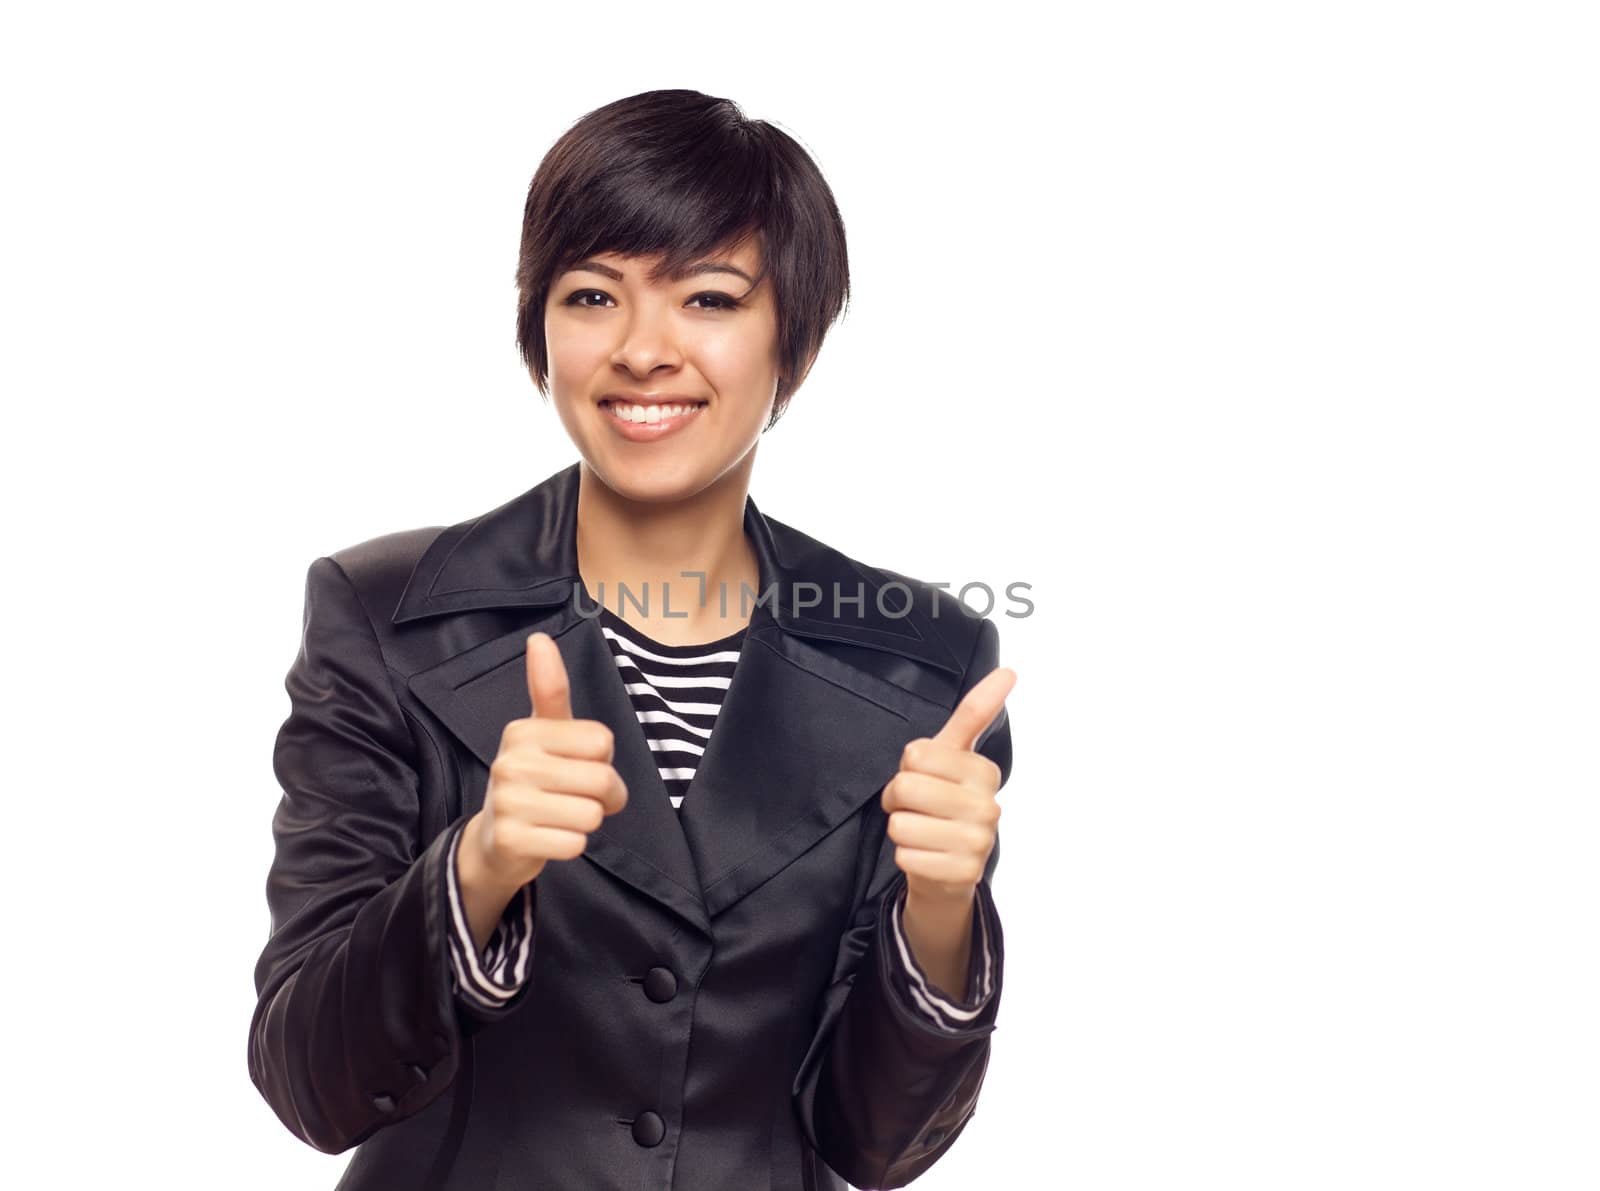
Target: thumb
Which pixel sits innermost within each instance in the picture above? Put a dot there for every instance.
(548, 692)
(978, 709)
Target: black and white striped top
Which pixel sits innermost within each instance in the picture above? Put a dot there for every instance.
(677, 692)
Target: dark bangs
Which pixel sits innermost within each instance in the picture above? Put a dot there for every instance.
(683, 174)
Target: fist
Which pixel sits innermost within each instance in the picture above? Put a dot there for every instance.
(942, 808)
(551, 782)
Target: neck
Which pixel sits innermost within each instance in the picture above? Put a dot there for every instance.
(645, 546)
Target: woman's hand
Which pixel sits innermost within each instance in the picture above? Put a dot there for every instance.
(942, 806)
(943, 814)
(551, 783)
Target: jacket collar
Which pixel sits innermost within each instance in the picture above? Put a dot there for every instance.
(524, 554)
(805, 737)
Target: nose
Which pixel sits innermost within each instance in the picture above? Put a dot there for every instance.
(648, 341)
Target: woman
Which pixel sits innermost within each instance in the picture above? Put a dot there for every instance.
(683, 889)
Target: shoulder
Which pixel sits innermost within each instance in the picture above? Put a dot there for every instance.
(379, 568)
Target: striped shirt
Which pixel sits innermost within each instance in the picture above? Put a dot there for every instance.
(677, 692)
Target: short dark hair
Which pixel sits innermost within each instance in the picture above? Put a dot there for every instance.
(685, 174)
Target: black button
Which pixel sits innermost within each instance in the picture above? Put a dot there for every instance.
(934, 1136)
(420, 1074)
(383, 1103)
(660, 984)
(649, 1129)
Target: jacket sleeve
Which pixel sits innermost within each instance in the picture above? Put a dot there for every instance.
(356, 1023)
(883, 1091)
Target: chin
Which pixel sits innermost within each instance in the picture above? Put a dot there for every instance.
(662, 481)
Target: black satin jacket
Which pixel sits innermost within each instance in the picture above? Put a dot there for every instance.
(783, 1057)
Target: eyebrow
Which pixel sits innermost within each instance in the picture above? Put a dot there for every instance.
(593, 266)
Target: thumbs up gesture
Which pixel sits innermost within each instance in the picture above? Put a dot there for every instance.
(551, 782)
(941, 804)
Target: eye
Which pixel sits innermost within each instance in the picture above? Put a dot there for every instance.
(576, 298)
(723, 301)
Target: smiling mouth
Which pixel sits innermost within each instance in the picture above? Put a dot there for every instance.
(647, 415)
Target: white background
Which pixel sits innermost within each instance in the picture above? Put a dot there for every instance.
(1259, 338)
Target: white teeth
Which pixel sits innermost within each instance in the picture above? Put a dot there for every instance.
(647, 414)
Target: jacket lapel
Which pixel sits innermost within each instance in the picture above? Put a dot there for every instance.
(803, 739)
(801, 742)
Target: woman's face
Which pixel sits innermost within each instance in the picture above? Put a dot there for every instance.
(620, 347)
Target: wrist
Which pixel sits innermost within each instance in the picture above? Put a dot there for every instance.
(940, 905)
(939, 929)
(478, 878)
